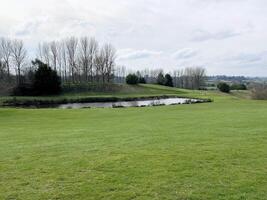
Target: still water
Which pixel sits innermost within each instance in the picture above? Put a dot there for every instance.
(138, 103)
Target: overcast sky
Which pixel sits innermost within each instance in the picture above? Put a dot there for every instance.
(225, 36)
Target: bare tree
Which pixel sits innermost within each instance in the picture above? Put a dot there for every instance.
(109, 54)
(84, 56)
(120, 74)
(190, 77)
(88, 49)
(93, 51)
(39, 53)
(74, 59)
(259, 91)
(71, 46)
(18, 54)
(199, 77)
(44, 53)
(59, 58)
(54, 54)
(2, 69)
(175, 77)
(100, 66)
(1, 60)
(63, 53)
(5, 50)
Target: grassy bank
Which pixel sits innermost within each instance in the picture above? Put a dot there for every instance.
(116, 93)
(200, 151)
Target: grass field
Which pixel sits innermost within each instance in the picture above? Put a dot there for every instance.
(120, 91)
(203, 151)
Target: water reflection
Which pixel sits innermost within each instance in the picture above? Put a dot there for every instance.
(122, 104)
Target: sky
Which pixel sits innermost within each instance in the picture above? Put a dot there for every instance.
(224, 36)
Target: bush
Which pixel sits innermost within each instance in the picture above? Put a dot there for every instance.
(238, 87)
(160, 79)
(46, 81)
(132, 79)
(23, 89)
(142, 80)
(259, 91)
(168, 80)
(224, 87)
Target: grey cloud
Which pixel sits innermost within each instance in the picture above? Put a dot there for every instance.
(185, 53)
(235, 25)
(248, 58)
(130, 54)
(29, 27)
(200, 35)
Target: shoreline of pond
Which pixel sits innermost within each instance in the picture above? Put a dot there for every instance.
(55, 103)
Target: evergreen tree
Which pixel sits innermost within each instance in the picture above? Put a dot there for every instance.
(168, 80)
(46, 80)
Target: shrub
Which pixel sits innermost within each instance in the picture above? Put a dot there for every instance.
(160, 79)
(46, 81)
(224, 87)
(168, 80)
(23, 89)
(238, 87)
(142, 80)
(132, 79)
(259, 91)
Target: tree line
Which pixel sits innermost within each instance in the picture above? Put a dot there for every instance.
(75, 59)
(79, 59)
(83, 60)
(13, 55)
(189, 78)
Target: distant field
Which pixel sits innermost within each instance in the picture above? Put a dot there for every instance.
(203, 151)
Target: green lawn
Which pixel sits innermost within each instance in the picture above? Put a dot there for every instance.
(120, 91)
(203, 151)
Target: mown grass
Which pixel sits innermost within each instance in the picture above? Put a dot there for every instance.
(120, 93)
(201, 151)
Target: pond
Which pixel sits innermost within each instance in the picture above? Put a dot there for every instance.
(136, 103)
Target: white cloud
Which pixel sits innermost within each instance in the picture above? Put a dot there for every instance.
(151, 30)
(131, 54)
(185, 53)
(245, 58)
(200, 35)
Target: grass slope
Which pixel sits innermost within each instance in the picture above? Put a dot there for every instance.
(202, 151)
(117, 91)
